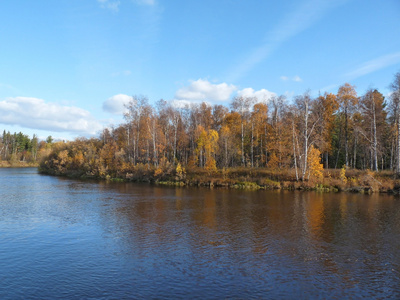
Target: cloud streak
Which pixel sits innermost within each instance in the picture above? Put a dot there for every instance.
(295, 78)
(109, 4)
(145, 2)
(374, 65)
(113, 5)
(35, 113)
(291, 25)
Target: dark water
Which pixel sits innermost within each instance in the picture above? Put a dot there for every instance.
(62, 238)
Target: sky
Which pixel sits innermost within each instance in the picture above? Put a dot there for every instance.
(67, 67)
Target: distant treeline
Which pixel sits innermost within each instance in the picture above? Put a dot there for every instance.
(19, 147)
(329, 131)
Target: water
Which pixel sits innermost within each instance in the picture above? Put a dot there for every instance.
(70, 239)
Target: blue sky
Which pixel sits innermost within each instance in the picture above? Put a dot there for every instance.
(67, 66)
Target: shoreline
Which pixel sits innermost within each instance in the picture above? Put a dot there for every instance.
(19, 164)
(250, 179)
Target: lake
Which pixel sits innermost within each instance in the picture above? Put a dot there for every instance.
(71, 239)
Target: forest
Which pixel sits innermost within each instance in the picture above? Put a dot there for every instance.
(310, 139)
(19, 150)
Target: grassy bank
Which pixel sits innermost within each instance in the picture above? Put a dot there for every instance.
(332, 180)
(357, 181)
(17, 164)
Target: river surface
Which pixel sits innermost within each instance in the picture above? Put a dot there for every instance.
(70, 239)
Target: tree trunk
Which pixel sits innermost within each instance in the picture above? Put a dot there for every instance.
(398, 144)
(252, 145)
(266, 148)
(375, 141)
(305, 142)
(294, 152)
(346, 139)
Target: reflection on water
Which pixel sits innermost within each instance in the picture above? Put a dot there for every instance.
(74, 239)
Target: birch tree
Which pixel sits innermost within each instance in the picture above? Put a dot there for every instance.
(374, 122)
(347, 98)
(307, 124)
(242, 106)
(395, 105)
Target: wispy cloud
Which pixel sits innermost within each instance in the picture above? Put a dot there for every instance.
(296, 78)
(112, 5)
(9, 87)
(365, 69)
(328, 88)
(145, 2)
(374, 65)
(292, 24)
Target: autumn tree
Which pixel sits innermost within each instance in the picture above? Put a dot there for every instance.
(315, 167)
(242, 106)
(326, 107)
(374, 123)
(133, 116)
(259, 120)
(231, 138)
(207, 145)
(395, 111)
(34, 146)
(347, 99)
(308, 121)
(279, 136)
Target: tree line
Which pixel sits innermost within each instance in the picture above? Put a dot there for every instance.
(306, 135)
(19, 147)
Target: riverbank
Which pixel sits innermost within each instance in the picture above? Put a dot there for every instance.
(17, 164)
(332, 180)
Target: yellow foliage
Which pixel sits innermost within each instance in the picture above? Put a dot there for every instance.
(315, 167)
(343, 177)
(63, 157)
(211, 165)
(207, 141)
(78, 159)
(158, 172)
(180, 171)
(273, 162)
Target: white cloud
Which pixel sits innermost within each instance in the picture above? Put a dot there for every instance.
(262, 95)
(180, 103)
(203, 90)
(116, 104)
(35, 113)
(297, 78)
(110, 4)
(375, 65)
(284, 78)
